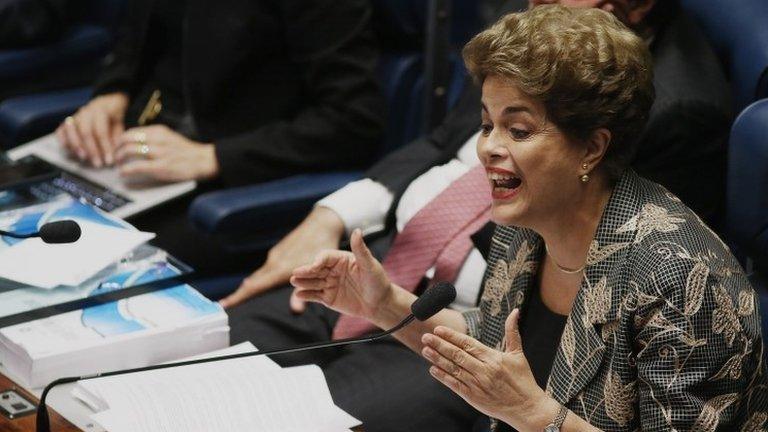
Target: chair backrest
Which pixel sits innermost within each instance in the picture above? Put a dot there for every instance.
(747, 215)
(401, 27)
(104, 13)
(739, 33)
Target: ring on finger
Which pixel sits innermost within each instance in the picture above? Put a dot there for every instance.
(140, 138)
(69, 120)
(143, 149)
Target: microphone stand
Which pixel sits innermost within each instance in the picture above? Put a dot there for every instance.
(42, 423)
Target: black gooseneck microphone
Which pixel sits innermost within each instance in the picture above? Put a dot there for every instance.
(431, 302)
(64, 231)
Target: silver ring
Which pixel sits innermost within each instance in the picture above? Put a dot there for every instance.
(143, 149)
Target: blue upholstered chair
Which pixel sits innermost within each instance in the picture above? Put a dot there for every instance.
(739, 33)
(254, 217)
(747, 215)
(49, 81)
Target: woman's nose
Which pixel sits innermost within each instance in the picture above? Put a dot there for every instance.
(490, 148)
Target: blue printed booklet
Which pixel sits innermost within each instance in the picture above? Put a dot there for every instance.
(140, 264)
(146, 329)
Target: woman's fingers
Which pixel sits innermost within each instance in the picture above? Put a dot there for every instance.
(322, 265)
(362, 254)
(468, 344)
(449, 381)
(308, 295)
(456, 355)
(309, 283)
(73, 139)
(85, 125)
(100, 132)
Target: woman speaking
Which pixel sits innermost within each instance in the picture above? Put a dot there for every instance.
(608, 305)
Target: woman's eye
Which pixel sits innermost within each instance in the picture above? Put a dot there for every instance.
(486, 129)
(519, 133)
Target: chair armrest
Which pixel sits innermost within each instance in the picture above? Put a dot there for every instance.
(24, 118)
(265, 206)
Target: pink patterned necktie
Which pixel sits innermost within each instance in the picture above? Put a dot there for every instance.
(437, 236)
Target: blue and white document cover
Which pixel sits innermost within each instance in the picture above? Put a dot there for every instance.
(104, 240)
(133, 332)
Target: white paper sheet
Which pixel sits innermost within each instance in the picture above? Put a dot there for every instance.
(43, 265)
(233, 395)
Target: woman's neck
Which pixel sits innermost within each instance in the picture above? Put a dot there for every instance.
(570, 231)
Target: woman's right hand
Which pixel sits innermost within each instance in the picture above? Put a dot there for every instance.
(91, 133)
(353, 283)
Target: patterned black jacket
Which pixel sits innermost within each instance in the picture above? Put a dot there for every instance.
(664, 333)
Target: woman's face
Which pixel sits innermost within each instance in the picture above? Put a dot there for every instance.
(532, 166)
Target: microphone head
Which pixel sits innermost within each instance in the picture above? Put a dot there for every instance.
(433, 300)
(65, 231)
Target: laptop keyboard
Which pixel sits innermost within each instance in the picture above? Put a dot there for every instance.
(79, 188)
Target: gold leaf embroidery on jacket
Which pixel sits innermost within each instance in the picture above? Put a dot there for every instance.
(724, 319)
(597, 254)
(597, 302)
(651, 218)
(694, 287)
(619, 399)
(568, 343)
(710, 413)
(755, 422)
(733, 367)
(498, 285)
(608, 330)
(746, 302)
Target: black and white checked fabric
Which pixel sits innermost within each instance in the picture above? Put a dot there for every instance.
(664, 333)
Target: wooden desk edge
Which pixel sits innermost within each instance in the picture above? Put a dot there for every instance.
(27, 423)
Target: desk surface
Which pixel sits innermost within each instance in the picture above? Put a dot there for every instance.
(58, 423)
(27, 423)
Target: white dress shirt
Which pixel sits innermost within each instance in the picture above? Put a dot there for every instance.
(364, 204)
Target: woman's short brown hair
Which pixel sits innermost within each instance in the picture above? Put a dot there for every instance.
(588, 69)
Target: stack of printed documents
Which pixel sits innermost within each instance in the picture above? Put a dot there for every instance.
(137, 331)
(244, 394)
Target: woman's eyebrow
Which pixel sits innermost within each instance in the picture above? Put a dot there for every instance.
(510, 109)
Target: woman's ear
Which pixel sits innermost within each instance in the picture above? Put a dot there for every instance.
(596, 147)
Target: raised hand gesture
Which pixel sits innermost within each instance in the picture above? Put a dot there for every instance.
(353, 283)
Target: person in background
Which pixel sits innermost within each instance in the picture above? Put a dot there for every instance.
(608, 304)
(230, 93)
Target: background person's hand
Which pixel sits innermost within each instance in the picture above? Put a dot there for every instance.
(91, 133)
(321, 230)
(353, 283)
(159, 153)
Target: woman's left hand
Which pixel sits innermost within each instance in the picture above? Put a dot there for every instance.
(160, 153)
(498, 384)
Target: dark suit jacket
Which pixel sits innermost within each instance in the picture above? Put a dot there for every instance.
(664, 333)
(280, 86)
(682, 147)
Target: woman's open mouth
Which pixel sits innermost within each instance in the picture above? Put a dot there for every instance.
(504, 184)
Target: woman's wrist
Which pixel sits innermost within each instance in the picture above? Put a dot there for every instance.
(208, 165)
(536, 415)
(394, 306)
